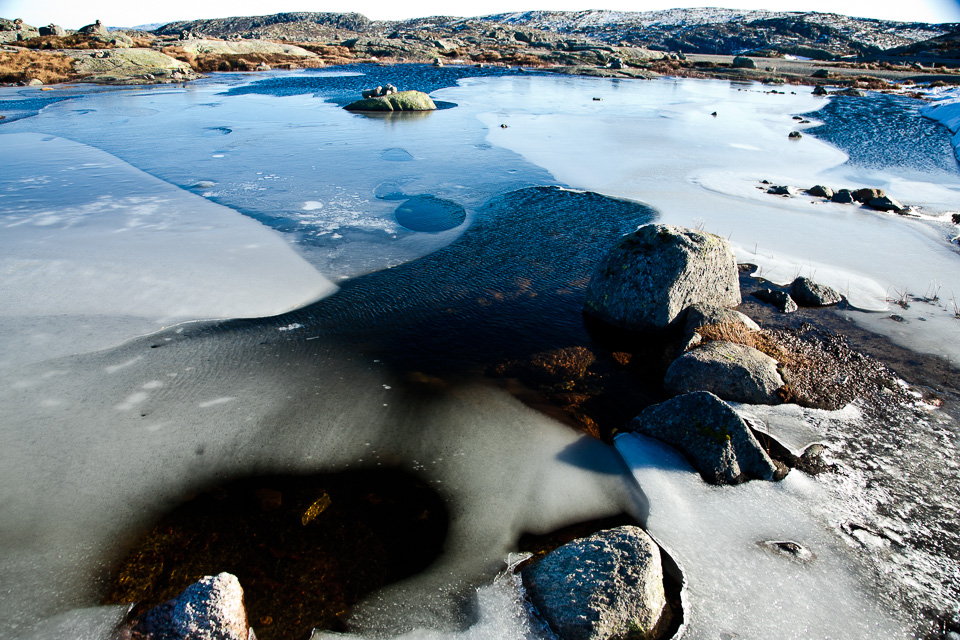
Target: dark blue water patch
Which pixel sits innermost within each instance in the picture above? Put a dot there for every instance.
(430, 214)
(886, 132)
(16, 109)
(396, 154)
(345, 89)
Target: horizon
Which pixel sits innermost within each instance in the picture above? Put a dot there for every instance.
(114, 13)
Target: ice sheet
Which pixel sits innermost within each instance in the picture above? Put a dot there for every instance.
(85, 235)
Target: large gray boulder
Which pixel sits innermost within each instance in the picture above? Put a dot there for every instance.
(649, 278)
(400, 101)
(53, 30)
(743, 62)
(808, 293)
(608, 585)
(210, 609)
(734, 372)
(711, 434)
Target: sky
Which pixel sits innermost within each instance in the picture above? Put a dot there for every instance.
(72, 14)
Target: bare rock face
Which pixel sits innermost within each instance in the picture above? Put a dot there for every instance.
(210, 609)
(650, 277)
(711, 434)
(608, 585)
(732, 371)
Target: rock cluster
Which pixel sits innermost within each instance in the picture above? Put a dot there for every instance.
(386, 90)
(608, 585)
(874, 198)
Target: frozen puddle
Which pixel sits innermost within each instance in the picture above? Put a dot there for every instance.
(90, 242)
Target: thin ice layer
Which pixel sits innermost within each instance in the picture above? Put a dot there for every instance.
(85, 235)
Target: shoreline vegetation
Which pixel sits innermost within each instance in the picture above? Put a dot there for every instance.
(50, 55)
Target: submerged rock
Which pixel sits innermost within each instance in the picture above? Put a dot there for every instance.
(608, 585)
(400, 101)
(715, 439)
(209, 609)
(780, 299)
(731, 371)
(808, 293)
(650, 277)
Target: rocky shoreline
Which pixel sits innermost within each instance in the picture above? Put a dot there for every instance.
(51, 54)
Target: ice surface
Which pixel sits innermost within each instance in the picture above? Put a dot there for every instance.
(737, 586)
(84, 235)
(658, 143)
(946, 111)
(96, 446)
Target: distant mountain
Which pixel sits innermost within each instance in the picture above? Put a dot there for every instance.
(706, 31)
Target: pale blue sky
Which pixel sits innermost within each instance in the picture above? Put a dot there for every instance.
(73, 14)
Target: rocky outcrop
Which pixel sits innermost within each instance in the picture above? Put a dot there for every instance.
(608, 585)
(734, 372)
(400, 101)
(715, 439)
(210, 609)
(130, 66)
(650, 277)
(15, 30)
(201, 46)
(95, 29)
(53, 30)
(808, 293)
(780, 299)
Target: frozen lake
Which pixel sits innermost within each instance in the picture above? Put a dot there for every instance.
(237, 277)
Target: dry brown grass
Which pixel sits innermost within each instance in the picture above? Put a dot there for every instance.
(49, 68)
(75, 41)
(759, 340)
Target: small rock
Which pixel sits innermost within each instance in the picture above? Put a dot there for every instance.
(783, 190)
(734, 372)
(843, 196)
(789, 548)
(608, 585)
(819, 91)
(808, 293)
(437, 62)
(849, 93)
(210, 609)
(797, 118)
(702, 315)
(597, 99)
(956, 218)
(34, 82)
(714, 114)
(795, 135)
(864, 196)
(885, 203)
(780, 299)
(503, 126)
(820, 191)
(616, 63)
(715, 439)
(820, 73)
